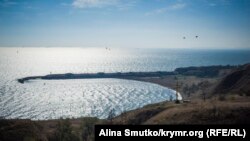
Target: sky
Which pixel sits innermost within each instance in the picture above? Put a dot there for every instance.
(125, 23)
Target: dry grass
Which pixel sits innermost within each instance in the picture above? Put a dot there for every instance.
(13, 130)
(213, 111)
(184, 81)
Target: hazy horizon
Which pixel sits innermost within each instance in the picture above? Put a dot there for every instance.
(131, 48)
(199, 24)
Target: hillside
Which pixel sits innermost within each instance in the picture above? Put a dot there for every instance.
(237, 82)
(231, 110)
(227, 100)
(231, 106)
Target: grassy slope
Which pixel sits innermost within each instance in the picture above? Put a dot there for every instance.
(236, 82)
(54, 130)
(229, 110)
(15, 130)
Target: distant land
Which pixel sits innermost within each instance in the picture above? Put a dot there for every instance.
(204, 71)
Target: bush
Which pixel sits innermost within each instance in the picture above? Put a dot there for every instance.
(241, 94)
(232, 98)
(222, 98)
(177, 101)
(64, 132)
(87, 128)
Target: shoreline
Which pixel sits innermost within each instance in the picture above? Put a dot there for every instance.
(165, 79)
(215, 107)
(201, 71)
(195, 75)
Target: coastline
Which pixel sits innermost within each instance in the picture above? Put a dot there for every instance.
(185, 78)
(196, 84)
(201, 71)
(194, 75)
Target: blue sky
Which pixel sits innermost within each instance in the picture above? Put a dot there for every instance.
(125, 23)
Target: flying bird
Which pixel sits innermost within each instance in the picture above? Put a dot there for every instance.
(196, 36)
(184, 37)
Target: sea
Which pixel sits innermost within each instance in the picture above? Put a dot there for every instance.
(54, 99)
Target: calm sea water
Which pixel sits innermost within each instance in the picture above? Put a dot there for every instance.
(41, 99)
